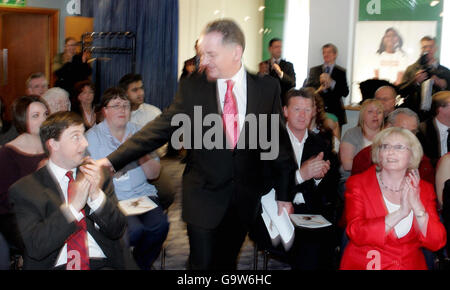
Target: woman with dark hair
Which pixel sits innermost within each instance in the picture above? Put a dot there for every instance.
(20, 157)
(325, 123)
(391, 60)
(83, 102)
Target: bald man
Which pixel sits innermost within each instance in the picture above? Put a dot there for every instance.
(386, 95)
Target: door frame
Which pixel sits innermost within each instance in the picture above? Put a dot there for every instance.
(53, 24)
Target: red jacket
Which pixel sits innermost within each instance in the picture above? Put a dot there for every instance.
(369, 246)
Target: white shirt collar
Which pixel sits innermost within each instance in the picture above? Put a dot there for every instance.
(59, 172)
(294, 138)
(237, 79)
(277, 60)
(442, 128)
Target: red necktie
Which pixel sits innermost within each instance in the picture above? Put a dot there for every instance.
(230, 116)
(77, 243)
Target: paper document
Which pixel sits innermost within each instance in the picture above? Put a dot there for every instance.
(279, 227)
(138, 205)
(311, 221)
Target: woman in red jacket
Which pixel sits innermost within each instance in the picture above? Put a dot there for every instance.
(391, 213)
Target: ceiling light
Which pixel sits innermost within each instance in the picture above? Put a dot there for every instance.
(434, 3)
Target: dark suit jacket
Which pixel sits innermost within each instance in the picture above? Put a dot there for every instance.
(332, 99)
(192, 61)
(428, 135)
(411, 91)
(321, 198)
(288, 80)
(37, 199)
(213, 178)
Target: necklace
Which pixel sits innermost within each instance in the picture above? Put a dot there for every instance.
(387, 187)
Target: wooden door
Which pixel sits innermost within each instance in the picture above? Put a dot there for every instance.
(30, 41)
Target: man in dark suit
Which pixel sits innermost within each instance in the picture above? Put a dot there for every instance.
(221, 186)
(316, 179)
(314, 193)
(434, 133)
(53, 215)
(279, 68)
(330, 81)
(424, 78)
(192, 65)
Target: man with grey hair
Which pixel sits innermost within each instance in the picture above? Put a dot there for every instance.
(386, 95)
(57, 100)
(330, 81)
(404, 118)
(36, 84)
(222, 186)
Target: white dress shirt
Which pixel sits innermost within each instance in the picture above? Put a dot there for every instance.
(144, 114)
(443, 133)
(298, 150)
(240, 92)
(63, 181)
(404, 226)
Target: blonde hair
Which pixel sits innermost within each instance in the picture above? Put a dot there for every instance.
(412, 142)
(440, 100)
(364, 107)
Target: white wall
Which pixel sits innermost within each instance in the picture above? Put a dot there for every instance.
(333, 21)
(196, 14)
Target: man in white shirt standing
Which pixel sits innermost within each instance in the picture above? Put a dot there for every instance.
(141, 113)
(67, 212)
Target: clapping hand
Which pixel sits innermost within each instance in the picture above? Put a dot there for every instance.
(413, 190)
(92, 173)
(315, 167)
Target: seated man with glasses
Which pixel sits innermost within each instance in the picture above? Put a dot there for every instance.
(146, 231)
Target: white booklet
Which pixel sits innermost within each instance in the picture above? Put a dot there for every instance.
(279, 227)
(136, 206)
(311, 221)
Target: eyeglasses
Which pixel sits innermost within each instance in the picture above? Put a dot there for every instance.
(118, 107)
(398, 147)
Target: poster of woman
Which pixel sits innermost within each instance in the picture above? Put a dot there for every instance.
(391, 59)
(384, 49)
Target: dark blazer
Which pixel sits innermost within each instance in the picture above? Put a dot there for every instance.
(192, 61)
(288, 80)
(332, 99)
(213, 178)
(37, 199)
(321, 198)
(428, 135)
(411, 91)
